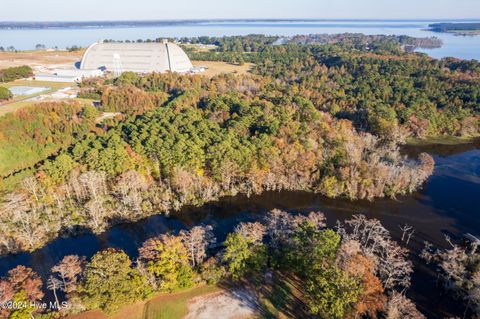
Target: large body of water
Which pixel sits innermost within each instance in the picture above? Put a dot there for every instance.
(447, 204)
(464, 47)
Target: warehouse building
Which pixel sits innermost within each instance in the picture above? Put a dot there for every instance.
(136, 57)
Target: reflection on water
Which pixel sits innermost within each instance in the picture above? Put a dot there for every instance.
(448, 204)
(464, 47)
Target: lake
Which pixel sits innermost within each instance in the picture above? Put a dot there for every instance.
(447, 204)
(464, 47)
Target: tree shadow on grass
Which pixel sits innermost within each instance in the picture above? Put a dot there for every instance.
(280, 295)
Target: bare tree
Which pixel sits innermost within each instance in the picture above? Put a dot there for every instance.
(197, 240)
(407, 233)
(54, 284)
(393, 266)
(95, 184)
(400, 307)
(69, 270)
(428, 253)
(30, 184)
(279, 225)
(17, 208)
(252, 231)
(129, 189)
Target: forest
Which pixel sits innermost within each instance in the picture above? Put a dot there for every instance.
(186, 141)
(324, 118)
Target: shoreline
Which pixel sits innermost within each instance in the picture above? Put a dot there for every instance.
(78, 230)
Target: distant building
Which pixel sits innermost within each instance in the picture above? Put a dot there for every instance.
(136, 57)
(68, 75)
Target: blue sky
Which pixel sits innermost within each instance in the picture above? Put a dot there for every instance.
(67, 10)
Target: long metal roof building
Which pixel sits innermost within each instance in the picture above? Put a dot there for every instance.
(136, 57)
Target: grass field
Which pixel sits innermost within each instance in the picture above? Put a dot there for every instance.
(174, 306)
(39, 58)
(19, 102)
(162, 306)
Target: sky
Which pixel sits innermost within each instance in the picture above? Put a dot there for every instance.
(85, 10)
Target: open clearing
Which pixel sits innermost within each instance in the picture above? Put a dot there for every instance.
(22, 101)
(237, 304)
(162, 306)
(40, 60)
(215, 67)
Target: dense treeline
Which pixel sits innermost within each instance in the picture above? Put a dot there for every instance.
(239, 44)
(30, 135)
(392, 95)
(355, 271)
(369, 42)
(211, 138)
(446, 27)
(15, 73)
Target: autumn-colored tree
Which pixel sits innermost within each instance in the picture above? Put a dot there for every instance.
(167, 259)
(372, 300)
(25, 279)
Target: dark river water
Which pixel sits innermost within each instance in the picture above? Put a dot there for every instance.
(449, 203)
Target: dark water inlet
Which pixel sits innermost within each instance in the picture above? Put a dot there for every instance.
(449, 203)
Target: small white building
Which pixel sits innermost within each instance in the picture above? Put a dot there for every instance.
(68, 75)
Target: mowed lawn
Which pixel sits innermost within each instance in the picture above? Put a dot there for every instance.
(174, 306)
(162, 306)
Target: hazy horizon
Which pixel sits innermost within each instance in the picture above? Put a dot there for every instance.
(247, 19)
(146, 10)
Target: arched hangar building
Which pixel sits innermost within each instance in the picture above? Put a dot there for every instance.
(136, 57)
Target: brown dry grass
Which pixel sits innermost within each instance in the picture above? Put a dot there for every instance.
(38, 58)
(216, 68)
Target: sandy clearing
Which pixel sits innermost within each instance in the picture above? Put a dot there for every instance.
(237, 304)
(216, 67)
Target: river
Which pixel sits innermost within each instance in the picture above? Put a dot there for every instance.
(464, 47)
(447, 204)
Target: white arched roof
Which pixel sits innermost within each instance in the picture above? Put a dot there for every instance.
(136, 57)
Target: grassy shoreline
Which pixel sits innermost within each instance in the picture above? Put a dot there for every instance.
(442, 140)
